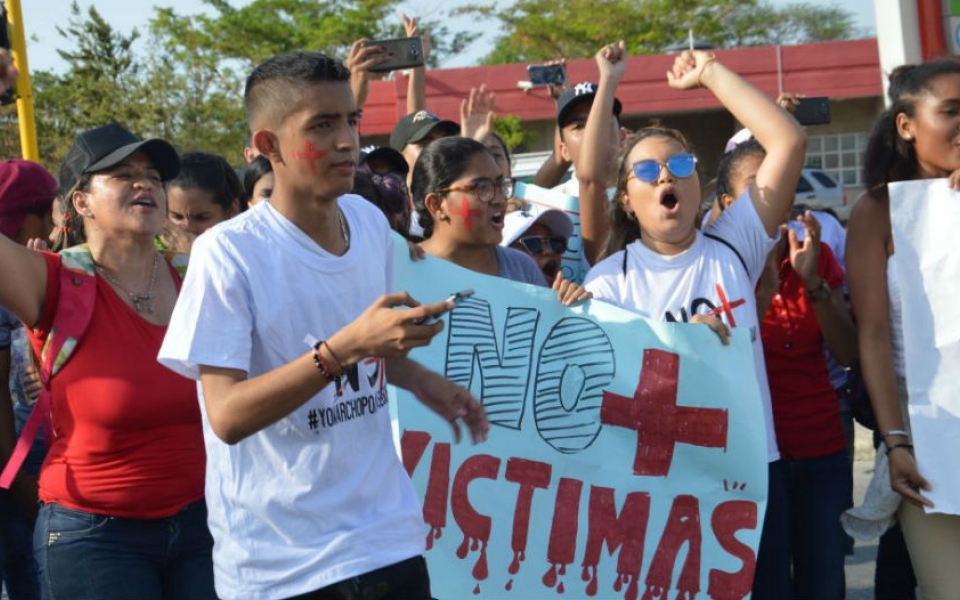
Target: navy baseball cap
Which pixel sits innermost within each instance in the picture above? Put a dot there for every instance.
(572, 96)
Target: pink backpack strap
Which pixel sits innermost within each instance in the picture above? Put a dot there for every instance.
(75, 302)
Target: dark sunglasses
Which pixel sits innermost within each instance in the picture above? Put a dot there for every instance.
(538, 244)
(680, 165)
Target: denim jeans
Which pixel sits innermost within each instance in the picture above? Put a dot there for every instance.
(82, 555)
(405, 580)
(819, 491)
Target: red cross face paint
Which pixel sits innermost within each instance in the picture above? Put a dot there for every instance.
(466, 213)
(310, 154)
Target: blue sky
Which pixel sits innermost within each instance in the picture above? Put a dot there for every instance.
(42, 17)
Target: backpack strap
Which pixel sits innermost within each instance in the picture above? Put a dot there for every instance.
(732, 249)
(74, 310)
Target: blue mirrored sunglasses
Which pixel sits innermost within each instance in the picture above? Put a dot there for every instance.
(680, 166)
(538, 244)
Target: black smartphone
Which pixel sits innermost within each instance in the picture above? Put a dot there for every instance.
(406, 53)
(547, 74)
(455, 298)
(813, 111)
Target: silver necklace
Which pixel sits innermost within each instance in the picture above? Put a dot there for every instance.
(141, 302)
(343, 230)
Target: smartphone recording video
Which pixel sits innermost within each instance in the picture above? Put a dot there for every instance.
(406, 53)
(547, 74)
(813, 111)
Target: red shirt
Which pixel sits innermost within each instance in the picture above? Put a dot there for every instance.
(806, 413)
(129, 440)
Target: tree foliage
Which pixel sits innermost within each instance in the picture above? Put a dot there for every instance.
(184, 80)
(510, 128)
(257, 30)
(541, 30)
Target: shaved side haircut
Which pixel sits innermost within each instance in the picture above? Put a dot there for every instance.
(268, 91)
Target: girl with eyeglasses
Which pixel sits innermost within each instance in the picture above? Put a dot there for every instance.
(461, 199)
(659, 264)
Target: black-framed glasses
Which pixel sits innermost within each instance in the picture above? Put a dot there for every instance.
(680, 165)
(485, 189)
(538, 244)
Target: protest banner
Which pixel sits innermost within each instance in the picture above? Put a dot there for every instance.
(925, 217)
(573, 264)
(626, 458)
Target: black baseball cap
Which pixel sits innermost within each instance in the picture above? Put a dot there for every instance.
(416, 126)
(576, 94)
(103, 147)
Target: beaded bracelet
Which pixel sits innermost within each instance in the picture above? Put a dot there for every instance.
(324, 369)
(900, 445)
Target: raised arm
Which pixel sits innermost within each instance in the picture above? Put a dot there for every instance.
(593, 170)
(778, 132)
(359, 61)
(417, 84)
(868, 248)
(552, 170)
(23, 272)
(836, 326)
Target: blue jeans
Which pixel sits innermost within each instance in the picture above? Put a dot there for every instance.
(84, 555)
(819, 490)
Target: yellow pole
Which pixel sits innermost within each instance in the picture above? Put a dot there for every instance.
(18, 44)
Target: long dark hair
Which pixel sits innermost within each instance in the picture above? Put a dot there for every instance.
(624, 228)
(889, 157)
(439, 165)
(212, 174)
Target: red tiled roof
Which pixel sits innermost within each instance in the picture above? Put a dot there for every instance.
(847, 69)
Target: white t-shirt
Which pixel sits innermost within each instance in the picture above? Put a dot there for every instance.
(320, 496)
(707, 276)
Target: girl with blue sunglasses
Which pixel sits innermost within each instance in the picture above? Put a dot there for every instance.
(659, 264)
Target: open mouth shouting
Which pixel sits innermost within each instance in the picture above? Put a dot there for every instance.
(669, 200)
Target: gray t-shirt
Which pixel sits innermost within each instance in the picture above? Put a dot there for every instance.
(517, 266)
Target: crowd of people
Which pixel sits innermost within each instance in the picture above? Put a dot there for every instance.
(159, 429)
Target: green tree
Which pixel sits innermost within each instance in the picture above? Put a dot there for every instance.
(101, 84)
(540, 30)
(510, 128)
(257, 30)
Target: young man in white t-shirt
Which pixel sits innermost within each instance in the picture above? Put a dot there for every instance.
(286, 321)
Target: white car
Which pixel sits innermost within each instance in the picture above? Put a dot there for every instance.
(819, 189)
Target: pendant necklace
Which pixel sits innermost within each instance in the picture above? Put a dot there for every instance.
(141, 302)
(343, 230)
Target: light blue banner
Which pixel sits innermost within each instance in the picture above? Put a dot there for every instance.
(627, 458)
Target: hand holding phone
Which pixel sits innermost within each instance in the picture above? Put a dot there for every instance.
(405, 53)
(547, 74)
(455, 298)
(813, 111)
